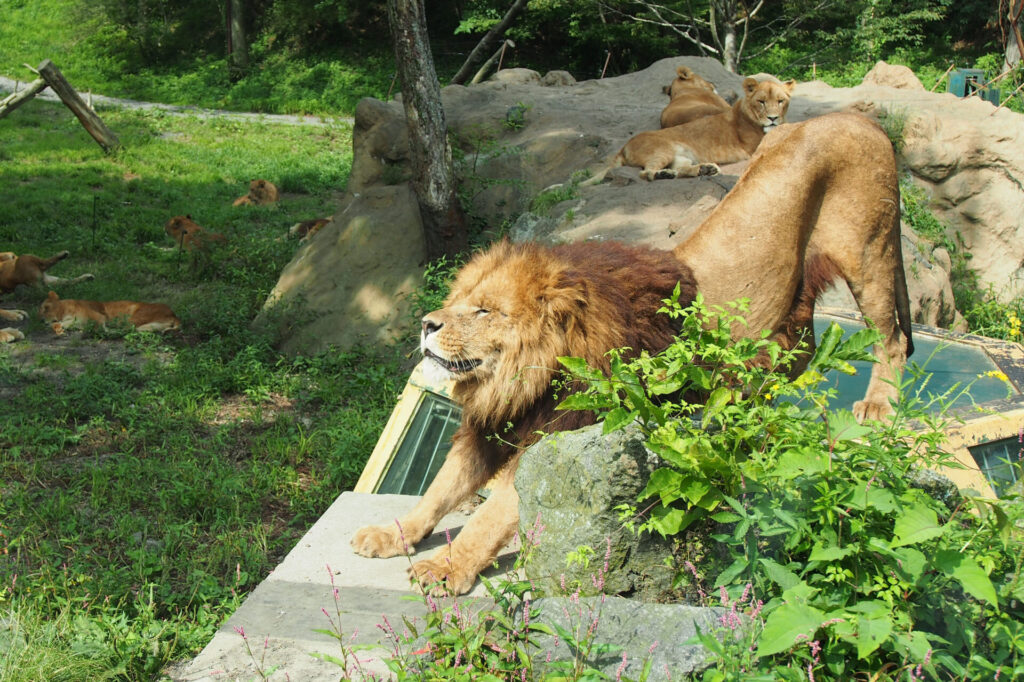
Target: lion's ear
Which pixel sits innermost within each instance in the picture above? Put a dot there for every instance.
(749, 85)
(789, 85)
(684, 72)
(52, 296)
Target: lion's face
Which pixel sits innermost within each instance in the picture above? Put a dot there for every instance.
(51, 308)
(504, 324)
(686, 80)
(178, 226)
(767, 102)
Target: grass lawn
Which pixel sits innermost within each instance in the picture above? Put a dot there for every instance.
(148, 482)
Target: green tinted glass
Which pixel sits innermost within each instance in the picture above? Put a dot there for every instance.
(424, 447)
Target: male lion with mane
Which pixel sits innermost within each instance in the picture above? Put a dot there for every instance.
(511, 313)
(818, 202)
(696, 148)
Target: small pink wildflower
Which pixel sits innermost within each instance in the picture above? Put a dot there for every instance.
(622, 667)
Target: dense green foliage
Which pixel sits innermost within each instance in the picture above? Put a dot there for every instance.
(322, 56)
(147, 483)
(834, 560)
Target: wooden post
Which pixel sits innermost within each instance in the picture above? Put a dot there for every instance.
(92, 123)
(16, 99)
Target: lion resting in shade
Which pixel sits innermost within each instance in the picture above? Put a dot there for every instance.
(818, 202)
(511, 313)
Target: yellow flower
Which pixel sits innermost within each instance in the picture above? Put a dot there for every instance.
(995, 374)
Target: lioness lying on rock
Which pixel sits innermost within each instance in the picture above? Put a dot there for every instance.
(71, 313)
(696, 148)
(28, 270)
(690, 97)
(818, 202)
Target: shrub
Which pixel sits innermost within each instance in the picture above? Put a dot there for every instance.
(863, 574)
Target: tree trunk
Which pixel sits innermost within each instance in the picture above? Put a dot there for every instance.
(444, 223)
(488, 41)
(238, 46)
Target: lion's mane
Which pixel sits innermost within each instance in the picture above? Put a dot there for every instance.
(577, 300)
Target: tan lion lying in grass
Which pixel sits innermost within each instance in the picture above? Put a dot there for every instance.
(27, 270)
(76, 313)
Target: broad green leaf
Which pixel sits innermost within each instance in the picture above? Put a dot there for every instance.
(617, 419)
(735, 568)
(726, 517)
(581, 401)
(779, 574)
(916, 524)
(579, 367)
(665, 484)
(911, 563)
(966, 571)
(694, 489)
(821, 553)
(785, 624)
(719, 398)
(871, 632)
(842, 425)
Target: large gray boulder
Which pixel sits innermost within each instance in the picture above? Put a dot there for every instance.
(571, 483)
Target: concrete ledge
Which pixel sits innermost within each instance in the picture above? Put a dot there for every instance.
(281, 615)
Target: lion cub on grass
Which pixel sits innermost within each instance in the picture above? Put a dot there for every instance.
(261, 193)
(68, 313)
(190, 236)
(696, 148)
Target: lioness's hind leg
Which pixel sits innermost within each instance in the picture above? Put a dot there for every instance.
(13, 315)
(876, 302)
(50, 280)
(10, 334)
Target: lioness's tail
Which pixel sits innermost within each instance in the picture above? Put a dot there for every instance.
(599, 177)
(902, 297)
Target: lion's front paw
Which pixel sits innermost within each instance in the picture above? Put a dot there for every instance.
(869, 409)
(708, 169)
(87, 277)
(9, 335)
(380, 541)
(664, 174)
(440, 576)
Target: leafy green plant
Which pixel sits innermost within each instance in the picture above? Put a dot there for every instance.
(861, 572)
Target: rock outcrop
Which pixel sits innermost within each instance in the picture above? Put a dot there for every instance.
(521, 133)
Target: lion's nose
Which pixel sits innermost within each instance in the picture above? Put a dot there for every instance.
(429, 327)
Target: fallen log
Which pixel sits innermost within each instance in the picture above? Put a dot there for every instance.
(90, 121)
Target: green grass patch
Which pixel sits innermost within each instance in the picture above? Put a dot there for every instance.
(148, 482)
